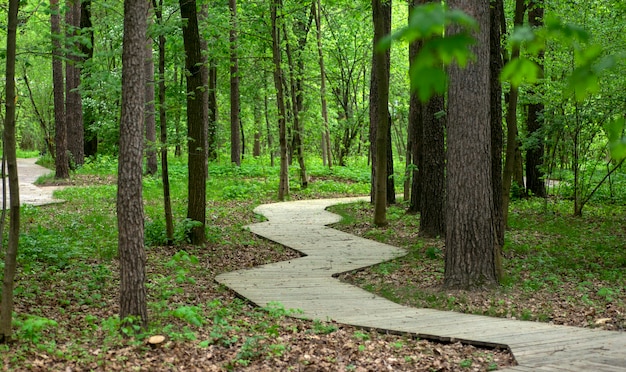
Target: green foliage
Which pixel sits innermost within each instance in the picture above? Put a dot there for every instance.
(190, 314)
(427, 23)
(32, 328)
(617, 141)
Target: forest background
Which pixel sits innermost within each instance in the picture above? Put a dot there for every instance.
(578, 90)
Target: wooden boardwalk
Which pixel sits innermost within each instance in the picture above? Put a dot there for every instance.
(308, 284)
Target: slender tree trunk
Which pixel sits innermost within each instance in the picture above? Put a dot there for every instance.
(470, 231)
(276, 19)
(150, 119)
(295, 82)
(379, 115)
(512, 141)
(316, 10)
(212, 92)
(165, 175)
(90, 134)
(73, 100)
(535, 182)
(496, 64)
(10, 256)
(133, 301)
(235, 139)
(62, 170)
(197, 118)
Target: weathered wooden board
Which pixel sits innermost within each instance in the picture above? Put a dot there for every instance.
(307, 284)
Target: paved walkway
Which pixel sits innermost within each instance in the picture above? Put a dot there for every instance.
(308, 284)
(28, 172)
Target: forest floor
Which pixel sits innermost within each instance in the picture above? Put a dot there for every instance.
(67, 303)
(66, 313)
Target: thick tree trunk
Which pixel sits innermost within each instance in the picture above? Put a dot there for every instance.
(62, 169)
(10, 256)
(235, 139)
(90, 135)
(379, 115)
(197, 118)
(496, 64)
(130, 215)
(73, 100)
(150, 119)
(165, 175)
(535, 183)
(432, 211)
(470, 231)
(276, 19)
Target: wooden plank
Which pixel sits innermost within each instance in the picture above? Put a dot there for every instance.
(306, 283)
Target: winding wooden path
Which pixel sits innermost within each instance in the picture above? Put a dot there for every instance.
(308, 284)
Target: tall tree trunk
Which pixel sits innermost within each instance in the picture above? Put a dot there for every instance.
(90, 134)
(496, 64)
(379, 115)
(73, 100)
(512, 141)
(432, 209)
(470, 231)
(129, 192)
(235, 139)
(62, 169)
(10, 256)
(295, 81)
(197, 117)
(276, 20)
(327, 157)
(165, 175)
(535, 183)
(150, 119)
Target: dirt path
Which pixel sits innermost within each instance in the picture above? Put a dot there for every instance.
(28, 172)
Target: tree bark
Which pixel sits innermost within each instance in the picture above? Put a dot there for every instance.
(73, 100)
(496, 64)
(165, 175)
(150, 119)
(62, 170)
(432, 211)
(535, 183)
(379, 114)
(129, 192)
(470, 232)
(197, 117)
(10, 257)
(276, 19)
(235, 139)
